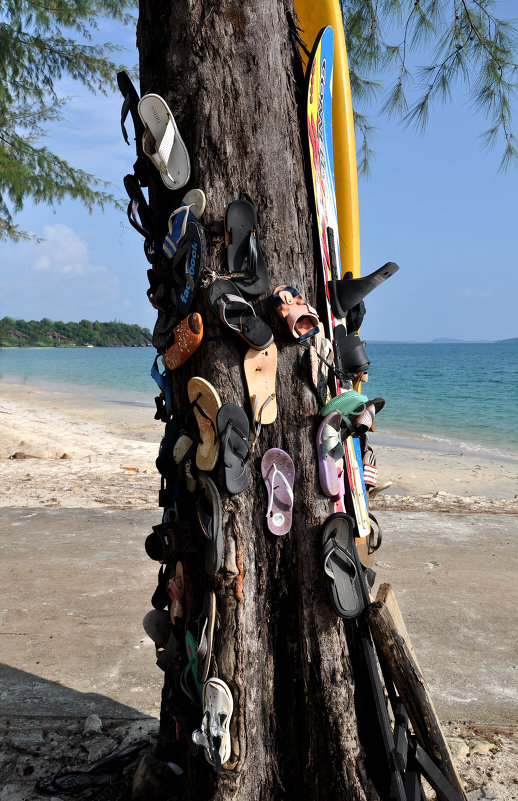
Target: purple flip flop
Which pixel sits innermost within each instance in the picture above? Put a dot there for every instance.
(278, 473)
(330, 450)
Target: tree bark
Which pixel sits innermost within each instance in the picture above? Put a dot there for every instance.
(230, 71)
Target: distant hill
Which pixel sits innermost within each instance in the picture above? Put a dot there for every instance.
(512, 341)
(48, 333)
(447, 341)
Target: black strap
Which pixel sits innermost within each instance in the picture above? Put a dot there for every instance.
(195, 405)
(225, 441)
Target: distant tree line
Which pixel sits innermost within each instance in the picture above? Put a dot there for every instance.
(45, 333)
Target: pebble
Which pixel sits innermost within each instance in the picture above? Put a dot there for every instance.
(459, 749)
(99, 748)
(93, 725)
(483, 747)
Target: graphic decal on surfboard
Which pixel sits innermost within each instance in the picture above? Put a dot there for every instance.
(320, 136)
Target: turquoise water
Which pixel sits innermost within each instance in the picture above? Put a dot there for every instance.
(462, 396)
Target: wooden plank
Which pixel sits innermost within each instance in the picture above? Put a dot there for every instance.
(410, 684)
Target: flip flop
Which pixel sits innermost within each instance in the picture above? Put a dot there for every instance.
(365, 421)
(193, 206)
(189, 676)
(187, 339)
(205, 638)
(238, 314)
(188, 264)
(214, 735)
(72, 782)
(205, 402)
(209, 512)
(234, 428)
(141, 219)
(330, 452)
(175, 591)
(260, 371)
(278, 473)
(160, 545)
(120, 758)
(302, 319)
(244, 257)
(130, 106)
(340, 565)
(162, 142)
(348, 404)
(367, 546)
(320, 357)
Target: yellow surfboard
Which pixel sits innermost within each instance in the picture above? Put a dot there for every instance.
(313, 15)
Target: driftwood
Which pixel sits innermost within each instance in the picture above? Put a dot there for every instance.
(391, 637)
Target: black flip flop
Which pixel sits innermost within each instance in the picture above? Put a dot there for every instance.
(238, 314)
(209, 512)
(120, 758)
(130, 105)
(244, 256)
(141, 219)
(72, 782)
(234, 428)
(188, 264)
(340, 565)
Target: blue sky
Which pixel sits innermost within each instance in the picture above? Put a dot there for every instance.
(435, 204)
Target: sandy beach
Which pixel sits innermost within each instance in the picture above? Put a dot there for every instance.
(63, 454)
(64, 450)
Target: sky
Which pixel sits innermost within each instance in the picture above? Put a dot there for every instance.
(435, 204)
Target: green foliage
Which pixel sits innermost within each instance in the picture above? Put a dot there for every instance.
(40, 43)
(47, 333)
(464, 41)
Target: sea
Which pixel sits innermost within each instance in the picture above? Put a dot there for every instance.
(446, 397)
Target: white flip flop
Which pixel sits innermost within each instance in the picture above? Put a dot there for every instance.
(218, 706)
(162, 142)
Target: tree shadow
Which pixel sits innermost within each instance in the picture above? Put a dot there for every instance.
(27, 695)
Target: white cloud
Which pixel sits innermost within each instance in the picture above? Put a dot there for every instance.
(63, 251)
(58, 278)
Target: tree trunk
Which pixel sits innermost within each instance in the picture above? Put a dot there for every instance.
(230, 71)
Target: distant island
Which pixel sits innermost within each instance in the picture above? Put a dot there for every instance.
(49, 333)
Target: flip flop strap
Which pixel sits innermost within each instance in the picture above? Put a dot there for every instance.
(201, 650)
(249, 266)
(287, 484)
(331, 548)
(170, 244)
(132, 212)
(225, 441)
(196, 405)
(225, 300)
(162, 152)
(126, 105)
(332, 444)
(258, 421)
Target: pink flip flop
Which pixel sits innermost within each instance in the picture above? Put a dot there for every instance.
(330, 452)
(302, 319)
(278, 473)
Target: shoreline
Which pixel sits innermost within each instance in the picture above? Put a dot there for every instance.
(75, 449)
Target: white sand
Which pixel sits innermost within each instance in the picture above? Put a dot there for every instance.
(80, 451)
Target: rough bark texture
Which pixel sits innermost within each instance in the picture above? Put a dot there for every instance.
(231, 73)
